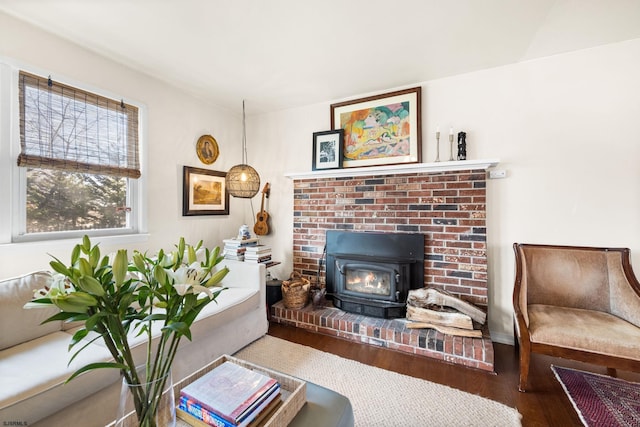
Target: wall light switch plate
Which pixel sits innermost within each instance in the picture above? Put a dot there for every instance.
(497, 174)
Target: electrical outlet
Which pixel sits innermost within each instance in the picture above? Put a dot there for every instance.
(497, 174)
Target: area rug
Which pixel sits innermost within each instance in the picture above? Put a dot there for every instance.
(380, 397)
(601, 400)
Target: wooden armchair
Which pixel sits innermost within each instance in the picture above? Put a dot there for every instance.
(579, 303)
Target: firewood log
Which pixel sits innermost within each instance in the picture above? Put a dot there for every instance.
(457, 320)
(427, 297)
(476, 333)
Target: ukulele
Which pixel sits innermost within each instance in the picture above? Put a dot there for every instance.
(261, 228)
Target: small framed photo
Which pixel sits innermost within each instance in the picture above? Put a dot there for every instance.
(327, 149)
(204, 192)
(381, 129)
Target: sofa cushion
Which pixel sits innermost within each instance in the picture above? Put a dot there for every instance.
(17, 324)
(586, 330)
(230, 304)
(34, 374)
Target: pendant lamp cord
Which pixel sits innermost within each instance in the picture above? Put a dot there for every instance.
(244, 136)
(244, 151)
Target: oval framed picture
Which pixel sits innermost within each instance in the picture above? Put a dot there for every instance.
(207, 149)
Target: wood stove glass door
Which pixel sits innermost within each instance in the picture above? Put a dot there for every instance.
(368, 281)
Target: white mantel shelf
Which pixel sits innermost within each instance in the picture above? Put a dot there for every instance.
(457, 165)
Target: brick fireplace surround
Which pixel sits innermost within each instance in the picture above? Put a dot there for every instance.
(449, 208)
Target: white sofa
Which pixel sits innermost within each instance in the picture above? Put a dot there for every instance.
(34, 357)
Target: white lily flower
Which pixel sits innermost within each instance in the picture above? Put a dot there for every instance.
(58, 282)
(192, 274)
(187, 279)
(185, 288)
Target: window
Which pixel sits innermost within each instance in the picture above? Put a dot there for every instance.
(79, 162)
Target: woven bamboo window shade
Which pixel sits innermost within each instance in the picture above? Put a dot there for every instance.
(62, 127)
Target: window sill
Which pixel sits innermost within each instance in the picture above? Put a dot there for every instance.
(60, 245)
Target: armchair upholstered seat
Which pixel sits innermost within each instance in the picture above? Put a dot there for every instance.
(579, 303)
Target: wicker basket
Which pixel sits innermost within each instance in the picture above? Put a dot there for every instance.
(295, 291)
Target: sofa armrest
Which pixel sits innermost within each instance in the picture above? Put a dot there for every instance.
(246, 275)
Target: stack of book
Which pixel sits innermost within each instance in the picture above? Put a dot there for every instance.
(229, 396)
(235, 248)
(258, 253)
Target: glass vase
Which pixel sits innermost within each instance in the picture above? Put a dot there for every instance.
(148, 404)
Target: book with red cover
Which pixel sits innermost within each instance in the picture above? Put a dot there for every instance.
(229, 390)
(254, 416)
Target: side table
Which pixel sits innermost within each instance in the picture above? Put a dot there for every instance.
(274, 293)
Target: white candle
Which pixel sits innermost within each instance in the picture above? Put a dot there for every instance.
(451, 130)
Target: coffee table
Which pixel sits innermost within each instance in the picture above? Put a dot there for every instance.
(324, 408)
(307, 404)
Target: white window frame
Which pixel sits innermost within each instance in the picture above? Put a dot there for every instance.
(13, 178)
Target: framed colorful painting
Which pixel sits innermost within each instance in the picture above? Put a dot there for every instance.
(380, 130)
(204, 192)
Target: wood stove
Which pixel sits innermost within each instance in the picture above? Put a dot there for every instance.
(371, 273)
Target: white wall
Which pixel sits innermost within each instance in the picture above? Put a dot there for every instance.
(175, 122)
(565, 129)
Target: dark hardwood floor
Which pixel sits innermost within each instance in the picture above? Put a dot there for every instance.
(544, 405)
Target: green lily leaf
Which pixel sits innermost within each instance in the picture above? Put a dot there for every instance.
(92, 321)
(92, 366)
(104, 262)
(77, 337)
(65, 316)
(181, 328)
(155, 316)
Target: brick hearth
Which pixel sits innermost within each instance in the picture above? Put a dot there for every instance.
(390, 333)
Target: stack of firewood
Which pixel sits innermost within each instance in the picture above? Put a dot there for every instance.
(436, 309)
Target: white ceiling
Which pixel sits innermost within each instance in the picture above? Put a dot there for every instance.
(285, 53)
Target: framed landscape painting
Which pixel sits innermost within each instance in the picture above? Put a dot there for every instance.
(204, 192)
(380, 130)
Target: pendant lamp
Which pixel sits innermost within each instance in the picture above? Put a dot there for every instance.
(242, 180)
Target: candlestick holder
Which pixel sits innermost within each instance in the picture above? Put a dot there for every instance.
(437, 146)
(451, 143)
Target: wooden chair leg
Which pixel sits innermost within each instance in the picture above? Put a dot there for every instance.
(525, 359)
